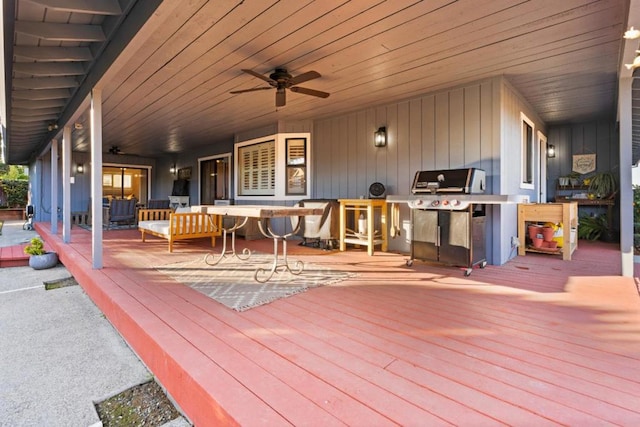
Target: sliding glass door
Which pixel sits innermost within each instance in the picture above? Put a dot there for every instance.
(125, 183)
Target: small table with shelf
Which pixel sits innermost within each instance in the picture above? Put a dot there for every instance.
(566, 213)
(370, 238)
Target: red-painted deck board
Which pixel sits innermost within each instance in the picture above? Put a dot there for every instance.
(537, 341)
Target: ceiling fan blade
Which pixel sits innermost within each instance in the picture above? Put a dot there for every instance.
(250, 90)
(258, 75)
(304, 77)
(311, 92)
(281, 98)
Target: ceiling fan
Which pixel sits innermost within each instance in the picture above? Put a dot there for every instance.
(115, 150)
(281, 80)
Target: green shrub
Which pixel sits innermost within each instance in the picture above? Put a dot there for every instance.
(592, 227)
(35, 247)
(15, 193)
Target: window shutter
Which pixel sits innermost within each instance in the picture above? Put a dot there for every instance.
(257, 164)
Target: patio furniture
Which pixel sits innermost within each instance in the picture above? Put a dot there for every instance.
(158, 204)
(365, 210)
(263, 214)
(321, 230)
(121, 211)
(180, 225)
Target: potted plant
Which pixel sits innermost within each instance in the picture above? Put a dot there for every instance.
(595, 228)
(40, 258)
(574, 179)
(603, 185)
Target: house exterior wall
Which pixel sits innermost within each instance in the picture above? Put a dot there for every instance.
(505, 219)
(598, 137)
(450, 129)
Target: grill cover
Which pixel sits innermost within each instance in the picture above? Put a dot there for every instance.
(464, 181)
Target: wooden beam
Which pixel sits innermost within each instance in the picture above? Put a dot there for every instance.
(49, 69)
(34, 118)
(53, 53)
(35, 95)
(31, 112)
(95, 7)
(45, 83)
(25, 103)
(61, 32)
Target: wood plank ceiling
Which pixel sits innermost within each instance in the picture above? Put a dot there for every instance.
(169, 90)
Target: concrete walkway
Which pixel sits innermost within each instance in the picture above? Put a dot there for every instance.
(59, 354)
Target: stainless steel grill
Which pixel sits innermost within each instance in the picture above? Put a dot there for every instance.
(448, 216)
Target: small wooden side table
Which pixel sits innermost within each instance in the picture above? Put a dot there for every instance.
(371, 237)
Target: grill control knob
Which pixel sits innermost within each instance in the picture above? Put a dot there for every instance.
(435, 203)
(418, 202)
(455, 202)
(445, 202)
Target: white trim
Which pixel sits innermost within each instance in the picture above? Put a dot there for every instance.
(280, 167)
(531, 157)
(542, 168)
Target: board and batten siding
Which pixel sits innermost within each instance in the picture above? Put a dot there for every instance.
(451, 129)
(512, 106)
(598, 137)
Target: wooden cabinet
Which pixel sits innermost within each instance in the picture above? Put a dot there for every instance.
(566, 213)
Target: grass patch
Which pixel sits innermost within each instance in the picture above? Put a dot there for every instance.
(60, 283)
(143, 405)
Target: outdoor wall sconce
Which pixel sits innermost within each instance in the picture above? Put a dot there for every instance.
(52, 126)
(551, 151)
(173, 169)
(380, 137)
(80, 168)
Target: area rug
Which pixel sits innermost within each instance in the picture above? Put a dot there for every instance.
(232, 283)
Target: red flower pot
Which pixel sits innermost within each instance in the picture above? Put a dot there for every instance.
(534, 231)
(547, 233)
(537, 242)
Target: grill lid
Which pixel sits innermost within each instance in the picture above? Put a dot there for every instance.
(464, 181)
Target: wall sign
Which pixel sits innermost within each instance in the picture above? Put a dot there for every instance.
(584, 163)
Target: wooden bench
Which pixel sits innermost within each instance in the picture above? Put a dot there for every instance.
(180, 225)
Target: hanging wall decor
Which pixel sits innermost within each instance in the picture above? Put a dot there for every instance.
(584, 163)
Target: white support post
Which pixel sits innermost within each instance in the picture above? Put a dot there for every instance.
(54, 186)
(96, 177)
(66, 184)
(626, 189)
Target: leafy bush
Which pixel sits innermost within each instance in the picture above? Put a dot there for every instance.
(592, 227)
(15, 193)
(35, 247)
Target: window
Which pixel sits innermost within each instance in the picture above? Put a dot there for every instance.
(256, 174)
(276, 167)
(527, 166)
(296, 166)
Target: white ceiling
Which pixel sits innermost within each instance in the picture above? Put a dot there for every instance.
(168, 90)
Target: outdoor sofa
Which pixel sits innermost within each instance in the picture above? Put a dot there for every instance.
(182, 224)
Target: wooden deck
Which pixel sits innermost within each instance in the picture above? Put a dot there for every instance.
(539, 341)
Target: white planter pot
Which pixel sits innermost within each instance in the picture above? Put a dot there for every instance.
(40, 262)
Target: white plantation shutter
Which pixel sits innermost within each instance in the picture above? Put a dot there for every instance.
(257, 169)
